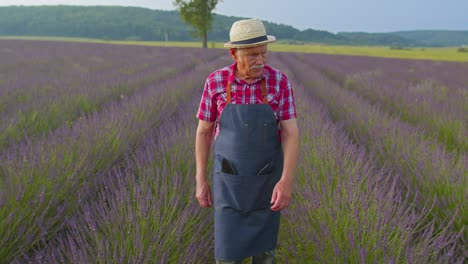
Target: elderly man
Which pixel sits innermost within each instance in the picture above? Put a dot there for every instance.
(249, 108)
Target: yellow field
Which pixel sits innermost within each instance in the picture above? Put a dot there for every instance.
(444, 54)
(447, 53)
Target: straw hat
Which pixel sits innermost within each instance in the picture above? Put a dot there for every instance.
(248, 33)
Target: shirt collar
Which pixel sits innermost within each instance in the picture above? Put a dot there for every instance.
(232, 77)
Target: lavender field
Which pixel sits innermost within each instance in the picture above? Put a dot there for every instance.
(97, 156)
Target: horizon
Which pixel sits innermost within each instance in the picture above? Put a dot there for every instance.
(341, 17)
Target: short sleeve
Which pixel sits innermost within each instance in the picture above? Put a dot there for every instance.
(286, 107)
(207, 109)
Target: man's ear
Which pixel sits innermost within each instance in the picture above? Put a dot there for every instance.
(233, 53)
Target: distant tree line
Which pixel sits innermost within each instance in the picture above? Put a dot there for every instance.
(199, 15)
(134, 23)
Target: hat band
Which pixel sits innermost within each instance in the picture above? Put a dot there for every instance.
(250, 41)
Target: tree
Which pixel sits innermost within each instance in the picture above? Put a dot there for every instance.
(198, 14)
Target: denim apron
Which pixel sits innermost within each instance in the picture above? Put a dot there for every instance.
(248, 164)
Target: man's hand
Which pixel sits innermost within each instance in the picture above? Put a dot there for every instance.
(202, 150)
(203, 194)
(281, 196)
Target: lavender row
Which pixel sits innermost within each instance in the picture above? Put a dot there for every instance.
(398, 72)
(443, 119)
(54, 67)
(439, 110)
(348, 208)
(64, 99)
(69, 62)
(435, 86)
(146, 211)
(42, 178)
(430, 174)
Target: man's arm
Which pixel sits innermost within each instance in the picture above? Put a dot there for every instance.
(203, 140)
(282, 192)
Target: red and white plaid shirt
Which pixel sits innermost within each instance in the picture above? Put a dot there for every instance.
(279, 94)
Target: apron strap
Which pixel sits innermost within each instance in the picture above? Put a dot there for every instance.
(264, 93)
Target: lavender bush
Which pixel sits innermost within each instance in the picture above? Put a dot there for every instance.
(61, 83)
(145, 211)
(429, 173)
(412, 92)
(43, 178)
(349, 209)
(115, 183)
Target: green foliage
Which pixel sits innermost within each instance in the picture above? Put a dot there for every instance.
(320, 36)
(109, 23)
(379, 39)
(198, 14)
(436, 37)
(398, 48)
(134, 23)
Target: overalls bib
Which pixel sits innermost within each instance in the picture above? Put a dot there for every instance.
(248, 164)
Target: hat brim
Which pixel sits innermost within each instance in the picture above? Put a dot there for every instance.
(269, 40)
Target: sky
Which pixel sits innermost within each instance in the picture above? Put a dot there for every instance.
(330, 15)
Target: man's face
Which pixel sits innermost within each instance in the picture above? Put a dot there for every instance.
(250, 61)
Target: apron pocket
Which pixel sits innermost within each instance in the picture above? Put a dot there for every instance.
(260, 191)
(228, 191)
(244, 193)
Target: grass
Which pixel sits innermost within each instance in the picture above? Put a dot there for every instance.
(427, 170)
(121, 191)
(33, 203)
(442, 54)
(346, 210)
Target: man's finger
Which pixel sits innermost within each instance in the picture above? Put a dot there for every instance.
(276, 206)
(273, 196)
(200, 201)
(210, 201)
(277, 203)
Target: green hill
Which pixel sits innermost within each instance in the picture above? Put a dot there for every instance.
(134, 23)
(436, 37)
(378, 39)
